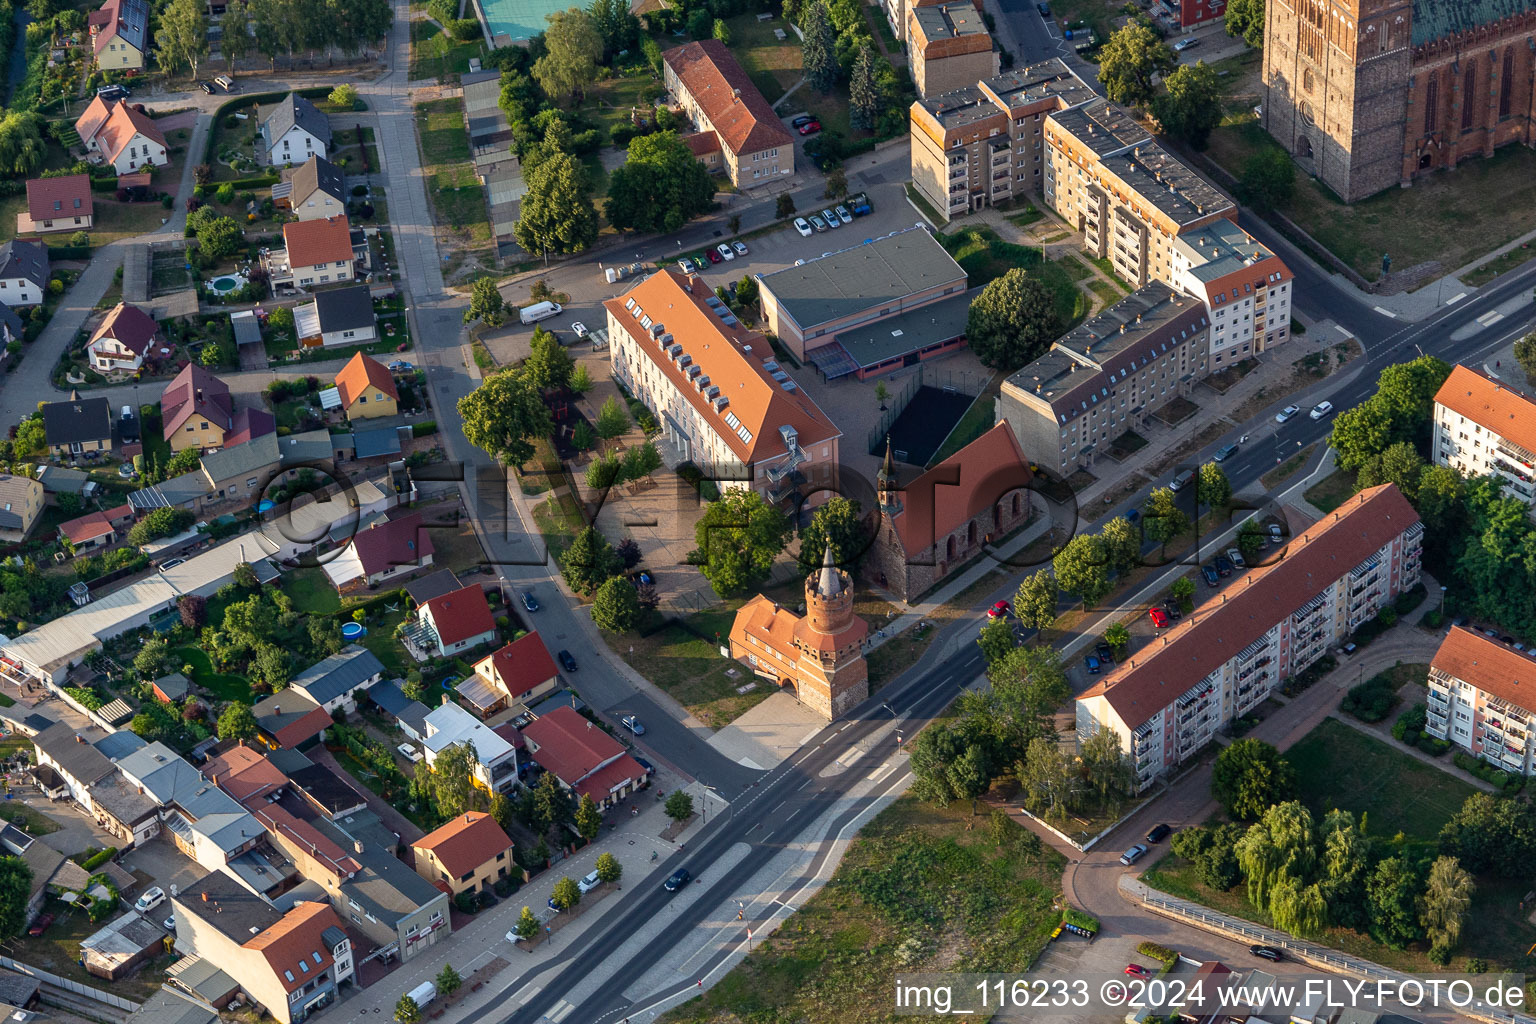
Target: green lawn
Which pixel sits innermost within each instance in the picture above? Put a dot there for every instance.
(436, 55)
(985, 256)
(440, 126)
(921, 889)
(381, 640)
(773, 64)
(976, 421)
(608, 103)
(1339, 766)
(685, 661)
(221, 686)
(460, 200)
(559, 520)
(1332, 491)
(312, 591)
(33, 821)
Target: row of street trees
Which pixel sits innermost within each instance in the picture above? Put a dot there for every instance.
(271, 28)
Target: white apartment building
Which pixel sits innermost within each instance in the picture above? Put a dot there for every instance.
(1484, 427)
(1476, 700)
(1244, 285)
(1168, 700)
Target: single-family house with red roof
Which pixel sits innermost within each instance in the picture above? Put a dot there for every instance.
(470, 853)
(120, 34)
(97, 529)
(586, 760)
(521, 672)
(126, 138)
(196, 410)
(315, 252)
(57, 204)
(289, 720)
(383, 551)
(457, 622)
(122, 338)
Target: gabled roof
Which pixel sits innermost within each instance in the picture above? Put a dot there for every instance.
(124, 123)
(313, 242)
(720, 86)
(1489, 665)
(1157, 676)
(127, 20)
(963, 485)
(294, 110)
(27, 260)
(77, 420)
(248, 425)
(56, 198)
(570, 745)
(344, 309)
(130, 326)
(295, 948)
(1491, 404)
(522, 664)
(395, 542)
(466, 842)
(461, 615)
(340, 673)
(195, 392)
(290, 717)
(74, 752)
(361, 373)
(93, 524)
(93, 117)
(317, 174)
(243, 772)
(259, 456)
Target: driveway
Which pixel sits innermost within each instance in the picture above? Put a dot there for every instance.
(169, 868)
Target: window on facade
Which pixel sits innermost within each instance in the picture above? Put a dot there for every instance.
(1468, 94)
(1506, 82)
(1431, 101)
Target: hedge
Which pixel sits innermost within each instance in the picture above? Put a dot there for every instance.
(1501, 780)
(103, 184)
(99, 858)
(69, 252)
(1160, 953)
(1073, 916)
(252, 182)
(424, 428)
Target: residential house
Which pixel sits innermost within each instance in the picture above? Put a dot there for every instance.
(1475, 699)
(1486, 426)
(73, 753)
(411, 714)
(120, 34)
(122, 135)
(289, 720)
(387, 901)
(23, 273)
(367, 389)
(21, 502)
(456, 622)
(43, 860)
(249, 424)
(520, 673)
(58, 204)
(716, 93)
(335, 681)
(343, 316)
(119, 342)
(113, 951)
(316, 189)
(79, 426)
(171, 688)
(315, 252)
(97, 529)
(205, 823)
(289, 965)
(468, 854)
(1244, 285)
(385, 550)
(950, 47)
(495, 758)
(196, 410)
(293, 130)
(241, 471)
(586, 760)
(11, 327)
(1170, 699)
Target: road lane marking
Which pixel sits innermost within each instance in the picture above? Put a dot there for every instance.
(1455, 298)
(562, 1010)
(1385, 312)
(1490, 318)
(881, 772)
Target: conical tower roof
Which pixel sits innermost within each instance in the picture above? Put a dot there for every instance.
(831, 583)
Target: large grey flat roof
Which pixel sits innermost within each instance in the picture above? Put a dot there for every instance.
(883, 270)
(941, 321)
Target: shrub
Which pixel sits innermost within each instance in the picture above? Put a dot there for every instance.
(1160, 953)
(1433, 746)
(1410, 724)
(99, 858)
(359, 190)
(1432, 619)
(1371, 701)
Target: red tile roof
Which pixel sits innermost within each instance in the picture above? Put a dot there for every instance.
(313, 242)
(243, 773)
(1158, 675)
(403, 541)
(569, 745)
(359, 374)
(278, 820)
(195, 392)
(701, 144)
(465, 843)
(600, 784)
(121, 127)
(95, 115)
(1488, 665)
(248, 425)
(57, 198)
(721, 88)
(461, 615)
(298, 937)
(93, 525)
(130, 326)
(947, 496)
(521, 665)
(1491, 404)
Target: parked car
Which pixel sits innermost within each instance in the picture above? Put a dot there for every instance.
(1044, 9)
(1275, 533)
(843, 214)
(1158, 833)
(1091, 662)
(1236, 558)
(1223, 566)
(529, 601)
(169, 923)
(1182, 481)
(999, 610)
(726, 252)
(112, 92)
(1105, 652)
(818, 223)
(676, 880)
(1185, 44)
(172, 563)
(632, 723)
(801, 119)
(1321, 409)
(1159, 618)
(685, 265)
(1212, 577)
(714, 256)
(740, 247)
(1269, 953)
(553, 905)
(40, 924)
(1133, 855)
(1172, 608)
(588, 883)
(1132, 516)
(1225, 452)
(1285, 414)
(803, 227)
(207, 87)
(151, 899)
(566, 661)
(409, 752)
(225, 82)
(579, 329)
(810, 128)
(831, 219)
(404, 366)
(1136, 969)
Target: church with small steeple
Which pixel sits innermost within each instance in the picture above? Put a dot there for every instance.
(819, 656)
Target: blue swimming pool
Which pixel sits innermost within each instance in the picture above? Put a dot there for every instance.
(518, 20)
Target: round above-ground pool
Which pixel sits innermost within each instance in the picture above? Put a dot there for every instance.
(227, 283)
(353, 631)
(266, 505)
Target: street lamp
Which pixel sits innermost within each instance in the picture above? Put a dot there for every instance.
(1442, 600)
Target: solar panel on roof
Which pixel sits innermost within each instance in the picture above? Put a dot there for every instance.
(729, 321)
(713, 300)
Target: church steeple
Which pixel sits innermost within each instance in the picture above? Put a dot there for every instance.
(830, 584)
(886, 491)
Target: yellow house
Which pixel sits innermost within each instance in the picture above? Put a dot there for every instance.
(367, 389)
(119, 34)
(196, 410)
(469, 854)
(21, 500)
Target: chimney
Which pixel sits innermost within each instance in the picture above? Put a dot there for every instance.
(199, 394)
(205, 897)
(357, 846)
(79, 738)
(277, 709)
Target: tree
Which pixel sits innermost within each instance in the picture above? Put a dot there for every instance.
(551, 803)
(1440, 501)
(157, 523)
(641, 461)
(1082, 569)
(784, 206)
(738, 538)
(1182, 589)
(608, 868)
(343, 96)
(1046, 779)
(1400, 464)
(193, 610)
(486, 303)
(721, 31)
(864, 92)
(572, 48)
(1360, 433)
(1249, 777)
(1028, 687)
(182, 40)
(1299, 909)
(1281, 846)
(1488, 835)
(502, 414)
(566, 894)
(1250, 539)
(548, 364)
(996, 639)
(589, 822)
(1108, 770)
(818, 48)
(1191, 107)
(325, 634)
(1161, 518)
(839, 524)
(612, 419)
(1525, 355)
(614, 22)
(700, 23)
(527, 925)
(210, 357)
(217, 237)
(1118, 636)
(280, 319)
(1391, 894)
(581, 383)
(236, 24)
(1122, 544)
(1212, 488)
(21, 143)
(1268, 179)
(15, 891)
(616, 606)
(1447, 901)
(1012, 321)
(406, 1011)
(837, 184)
(270, 665)
(151, 657)
(589, 562)
(236, 722)
(188, 459)
(502, 811)
(1035, 601)
(1246, 18)
(999, 826)
(1128, 62)
(660, 187)
(453, 779)
(448, 980)
(557, 214)
(679, 806)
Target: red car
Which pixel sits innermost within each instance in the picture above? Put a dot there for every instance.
(999, 610)
(810, 128)
(714, 257)
(1159, 618)
(40, 925)
(1136, 969)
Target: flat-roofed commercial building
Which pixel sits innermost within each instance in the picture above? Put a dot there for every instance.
(1168, 700)
(1484, 427)
(950, 47)
(1244, 285)
(983, 144)
(1480, 698)
(1106, 376)
(1109, 180)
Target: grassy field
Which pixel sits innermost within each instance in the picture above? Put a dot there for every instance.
(920, 889)
(223, 687)
(685, 661)
(773, 64)
(455, 191)
(1332, 491)
(608, 102)
(985, 257)
(434, 54)
(312, 591)
(440, 126)
(559, 519)
(34, 822)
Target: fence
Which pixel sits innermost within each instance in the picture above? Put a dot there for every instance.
(74, 987)
(965, 382)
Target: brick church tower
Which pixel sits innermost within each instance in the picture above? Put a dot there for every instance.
(831, 675)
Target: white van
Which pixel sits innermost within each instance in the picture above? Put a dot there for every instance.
(539, 311)
(423, 994)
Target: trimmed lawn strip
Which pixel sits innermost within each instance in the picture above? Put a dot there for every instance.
(1284, 472)
(976, 421)
(984, 256)
(1332, 491)
(311, 591)
(683, 658)
(434, 54)
(440, 126)
(221, 686)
